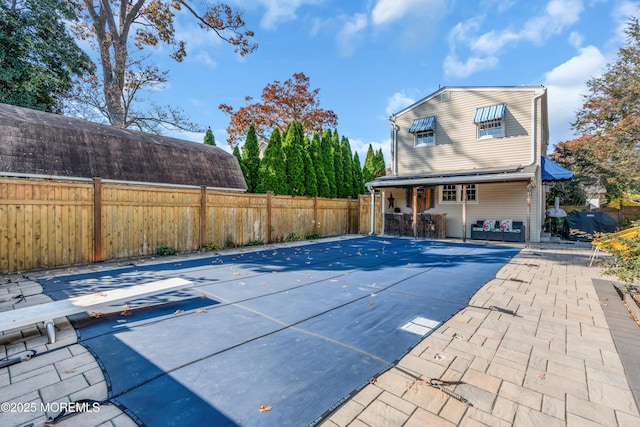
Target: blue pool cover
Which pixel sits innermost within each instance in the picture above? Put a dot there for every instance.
(295, 330)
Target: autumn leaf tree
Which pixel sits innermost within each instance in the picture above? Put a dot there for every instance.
(607, 148)
(281, 104)
(118, 30)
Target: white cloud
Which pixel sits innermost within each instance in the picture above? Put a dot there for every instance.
(456, 68)
(576, 39)
(398, 101)
(346, 38)
(281, 11)
(566, 86)
(621, 15)
(387, 11)
(205, 59)
(557, 16)
(361, 147)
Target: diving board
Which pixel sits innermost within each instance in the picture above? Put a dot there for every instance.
(47, 312)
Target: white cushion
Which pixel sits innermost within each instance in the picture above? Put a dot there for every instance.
(506, 224)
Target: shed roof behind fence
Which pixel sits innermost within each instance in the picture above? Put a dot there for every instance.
(33, 142)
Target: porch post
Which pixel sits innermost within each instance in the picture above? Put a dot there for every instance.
(464, 212)
(414, 202)
(382, 199)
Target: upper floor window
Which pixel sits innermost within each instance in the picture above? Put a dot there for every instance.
(490, 121)
(494, 128)
(425, 138)
(424, 131)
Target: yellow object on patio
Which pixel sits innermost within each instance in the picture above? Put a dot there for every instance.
(613, 241)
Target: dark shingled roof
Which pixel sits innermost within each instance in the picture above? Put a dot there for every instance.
(33, 142)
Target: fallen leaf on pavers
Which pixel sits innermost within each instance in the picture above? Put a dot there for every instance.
(125, 313)
(542, 376)
(265, 408)
(605, 299)
(579, 298)
(69, 371)
(178, 312)
(96, 314)
(201, 310)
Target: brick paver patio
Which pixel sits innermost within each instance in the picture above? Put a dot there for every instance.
(552, 363)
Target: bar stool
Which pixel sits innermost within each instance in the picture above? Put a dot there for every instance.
(391, 224)
(428, 227)
(408, 224)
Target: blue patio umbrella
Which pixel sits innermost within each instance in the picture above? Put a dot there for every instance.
(553, 172)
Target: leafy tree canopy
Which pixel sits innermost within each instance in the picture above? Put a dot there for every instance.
(608, 125)
(115, 28)
(38, 58)
(281, 104)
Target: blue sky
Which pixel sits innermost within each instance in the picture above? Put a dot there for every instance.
(371, 58)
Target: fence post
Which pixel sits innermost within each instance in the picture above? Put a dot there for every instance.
(97, 220)
(269, 201)
(203, 215)
(348, 215)
(315, 214)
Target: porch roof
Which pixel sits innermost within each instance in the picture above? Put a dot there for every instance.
(475, 176)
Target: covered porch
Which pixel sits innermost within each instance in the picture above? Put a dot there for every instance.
(451, 204)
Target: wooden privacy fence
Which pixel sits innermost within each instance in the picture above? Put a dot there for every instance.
(625, 212)
(51, 223)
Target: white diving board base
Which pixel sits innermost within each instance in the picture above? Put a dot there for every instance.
(47, 312)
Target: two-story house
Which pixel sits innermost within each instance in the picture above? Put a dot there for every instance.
(472, 154)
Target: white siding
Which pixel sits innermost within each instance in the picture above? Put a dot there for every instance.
(494, 201)
(457, 146)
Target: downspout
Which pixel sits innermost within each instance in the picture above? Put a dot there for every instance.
(394, 145)
(534, 129)
(534, 161)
